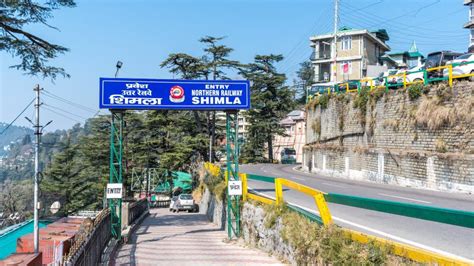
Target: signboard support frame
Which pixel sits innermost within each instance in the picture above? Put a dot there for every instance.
(115, 169)
(232, 147)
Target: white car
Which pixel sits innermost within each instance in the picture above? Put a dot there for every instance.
(462, 65)
(184, 202)
(413, 75)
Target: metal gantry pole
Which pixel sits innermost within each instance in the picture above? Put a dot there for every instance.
(37, 170)
(233, 202)
(115, 170)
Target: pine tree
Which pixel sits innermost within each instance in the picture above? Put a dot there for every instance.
(271, 100)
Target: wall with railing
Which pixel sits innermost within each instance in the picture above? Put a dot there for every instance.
(322, 215)
(87, 248)
(400, 80)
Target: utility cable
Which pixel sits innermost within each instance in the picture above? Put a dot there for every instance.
(17, 116)
(80, 106)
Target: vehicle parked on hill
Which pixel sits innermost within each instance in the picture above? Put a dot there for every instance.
(462, 65)
(184, 202)
(288, 156)
(437, 59)
(414, 74)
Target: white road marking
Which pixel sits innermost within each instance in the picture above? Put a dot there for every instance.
(398, 197)
(299, 178)
(378, 232)
(332, 185)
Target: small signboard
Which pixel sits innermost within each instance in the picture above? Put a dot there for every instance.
(235, 188)
(114, 190)
(151, 94)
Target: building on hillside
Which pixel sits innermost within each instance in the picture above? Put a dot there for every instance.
(358, 54)
(294, 125)
(406, 59)
(470, 24)
(242, 121)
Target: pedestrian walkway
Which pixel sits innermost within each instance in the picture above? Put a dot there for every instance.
(166, 238)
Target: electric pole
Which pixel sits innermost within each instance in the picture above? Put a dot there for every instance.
(336, 19)
(37, 171)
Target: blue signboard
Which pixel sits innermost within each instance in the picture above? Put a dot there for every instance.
(130, 93)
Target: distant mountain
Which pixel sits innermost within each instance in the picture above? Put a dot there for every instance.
(12, 134)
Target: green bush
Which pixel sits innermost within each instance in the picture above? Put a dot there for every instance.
(324, 101)
(415, 91)
(361, 100)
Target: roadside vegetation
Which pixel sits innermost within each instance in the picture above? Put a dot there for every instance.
(313, 244)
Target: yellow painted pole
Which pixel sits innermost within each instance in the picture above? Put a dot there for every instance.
(243, 176)
(404, 80)
(323, 209)
(450, 80)
(278, 191)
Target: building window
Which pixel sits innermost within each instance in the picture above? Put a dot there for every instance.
(349, 70)
(346, 42)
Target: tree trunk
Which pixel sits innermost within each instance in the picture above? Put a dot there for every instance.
(270, 147)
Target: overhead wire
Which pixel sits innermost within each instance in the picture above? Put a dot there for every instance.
(14, 120)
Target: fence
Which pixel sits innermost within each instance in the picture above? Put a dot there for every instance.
(136, 209)
(448, 216)
(399, 80)
(87, 248)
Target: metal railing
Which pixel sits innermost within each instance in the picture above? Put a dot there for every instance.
(399, 80)
(136, 209)
(87, 247)
(442, 215)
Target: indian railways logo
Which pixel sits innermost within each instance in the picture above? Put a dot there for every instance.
(177, 94)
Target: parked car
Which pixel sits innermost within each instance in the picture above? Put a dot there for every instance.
(414, 74)
(389, 75)
(185, 202)
(437, 59)
(461, 66)
(288, 156)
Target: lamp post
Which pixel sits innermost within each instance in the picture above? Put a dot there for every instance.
(118, 66)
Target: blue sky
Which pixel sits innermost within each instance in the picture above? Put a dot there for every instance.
(142, 33)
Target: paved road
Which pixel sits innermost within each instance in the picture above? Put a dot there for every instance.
(166, 238)
(442, 238)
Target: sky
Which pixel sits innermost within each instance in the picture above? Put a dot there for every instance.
(143, 33)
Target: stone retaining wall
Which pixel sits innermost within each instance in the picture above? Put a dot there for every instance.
(424, 143)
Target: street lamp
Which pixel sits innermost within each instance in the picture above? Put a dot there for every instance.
(118, 66)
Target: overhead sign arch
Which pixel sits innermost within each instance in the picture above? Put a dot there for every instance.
(120, 94)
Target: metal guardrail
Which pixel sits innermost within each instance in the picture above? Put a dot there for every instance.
(442, 215)
(371, 83)
(136, 209)
(87, 248)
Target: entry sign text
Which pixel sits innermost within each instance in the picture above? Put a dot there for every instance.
(130, 93)
(235, 188)
(114, 190)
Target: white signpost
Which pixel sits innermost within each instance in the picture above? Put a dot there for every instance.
(235, 188)
(114, 190)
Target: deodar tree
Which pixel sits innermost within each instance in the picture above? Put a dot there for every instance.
(33, 51)
(271, 100)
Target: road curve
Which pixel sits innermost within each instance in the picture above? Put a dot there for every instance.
(445, 239)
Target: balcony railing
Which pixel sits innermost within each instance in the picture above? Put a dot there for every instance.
(320, 56)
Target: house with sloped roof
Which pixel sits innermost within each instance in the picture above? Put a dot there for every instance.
(358, 50)
(406, 59)
(295, 128)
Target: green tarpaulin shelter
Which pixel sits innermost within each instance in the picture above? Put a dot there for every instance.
(180, 179)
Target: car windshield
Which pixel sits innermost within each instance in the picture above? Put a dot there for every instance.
(290, 152)
(186, 197)
(434, 58)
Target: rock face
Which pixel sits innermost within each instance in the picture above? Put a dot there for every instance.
(256, 234)
(214, 209)
(423, 142)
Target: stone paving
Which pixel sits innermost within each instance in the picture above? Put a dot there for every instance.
(166, 238)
